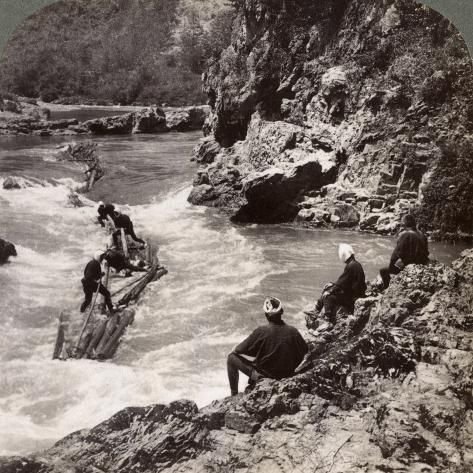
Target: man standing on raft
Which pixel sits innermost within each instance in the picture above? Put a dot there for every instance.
(271, 351)
(92, 280)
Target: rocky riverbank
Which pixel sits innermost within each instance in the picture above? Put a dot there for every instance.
(27, 118)
(334, 114)
(388, 389)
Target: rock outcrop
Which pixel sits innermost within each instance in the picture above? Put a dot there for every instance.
(387, 389)
(380, 87)
(7, 249)
(37, 121)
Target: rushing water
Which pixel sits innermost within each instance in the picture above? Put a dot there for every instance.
(186, 323)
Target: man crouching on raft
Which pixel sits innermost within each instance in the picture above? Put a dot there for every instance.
(271, 351)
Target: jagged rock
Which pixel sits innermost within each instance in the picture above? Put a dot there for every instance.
(270, 194)
(285, 88)
(149, 120)
(383, 385)
(305, 215)
(11, 183)
(186, 119)
(201, 193)
(206, 150)
(347, 215)
(369, 221)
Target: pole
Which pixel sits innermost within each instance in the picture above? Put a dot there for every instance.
(124, 243)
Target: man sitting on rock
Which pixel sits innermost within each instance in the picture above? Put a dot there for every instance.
(118, 262)
(411, 248)
(7, 249)
(271, 351)
(349, 287)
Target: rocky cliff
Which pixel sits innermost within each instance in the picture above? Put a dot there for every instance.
(339, 113)
(388, 389)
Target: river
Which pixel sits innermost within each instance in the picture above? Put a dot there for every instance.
(186, 323)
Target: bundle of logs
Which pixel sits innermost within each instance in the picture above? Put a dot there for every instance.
(86, 154)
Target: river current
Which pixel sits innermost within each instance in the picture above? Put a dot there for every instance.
(186, 323)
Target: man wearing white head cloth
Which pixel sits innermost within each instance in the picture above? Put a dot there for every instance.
(271, 351)
(350, 286)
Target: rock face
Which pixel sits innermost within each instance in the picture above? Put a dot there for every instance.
(379, 86)
(387, 389)
(186, 119)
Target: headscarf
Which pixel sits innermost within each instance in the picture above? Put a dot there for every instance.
(344, 252)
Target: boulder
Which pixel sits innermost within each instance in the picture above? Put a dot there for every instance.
(7, 250)
(201, 194)
(206, 150)
(305, 215)
(347, 215)
(117, 125)
(271, 194)
(178, 120)
(149, 120)
(369, 221)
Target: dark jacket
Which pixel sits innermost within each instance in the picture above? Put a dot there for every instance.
(411, 248)
(123, 221)
(93, 271)
(278, 348)
(352, 281)
(116, 260)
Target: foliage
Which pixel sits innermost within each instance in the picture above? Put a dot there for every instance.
(120, 51)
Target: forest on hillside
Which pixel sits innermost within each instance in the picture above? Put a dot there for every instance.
(116, 51)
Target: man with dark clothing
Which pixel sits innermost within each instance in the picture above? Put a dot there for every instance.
(104, 210)
(118, 262)
(123, 221)
(271, 351)
(91, 280)
(349, 287)
(412, 248)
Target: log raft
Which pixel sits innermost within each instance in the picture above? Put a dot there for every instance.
(97, 335)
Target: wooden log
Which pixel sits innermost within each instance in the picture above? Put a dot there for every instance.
(96, 337)
(126, 319)
(153, 274)
(60, 337)
(124, 243)
(90, 313)
(110, 328)
(83, 344)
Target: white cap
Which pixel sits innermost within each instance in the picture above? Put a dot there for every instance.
(98, 254)
(345, 251)
(272, 306)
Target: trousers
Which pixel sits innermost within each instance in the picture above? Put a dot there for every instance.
(89, 287)
(235, 364)
(386, 273)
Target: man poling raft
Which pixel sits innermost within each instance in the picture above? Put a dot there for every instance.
(92, 282)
